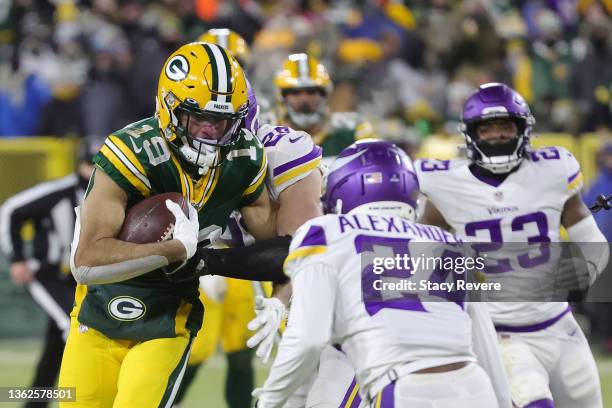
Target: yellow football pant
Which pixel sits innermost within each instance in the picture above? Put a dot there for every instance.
(122, 373)
(226, 321)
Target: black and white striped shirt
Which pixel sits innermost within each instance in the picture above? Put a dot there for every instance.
(50, 206)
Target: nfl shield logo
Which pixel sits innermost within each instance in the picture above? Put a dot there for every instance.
(499, 195)
(372, 178)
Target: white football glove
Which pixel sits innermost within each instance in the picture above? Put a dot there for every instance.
(214, 287)
(185, 229)
(270, 313)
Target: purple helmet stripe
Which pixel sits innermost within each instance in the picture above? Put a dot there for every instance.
(314, 153)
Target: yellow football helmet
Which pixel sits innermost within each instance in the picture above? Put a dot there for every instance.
(302, 71)
(231, 41)
(203, 82)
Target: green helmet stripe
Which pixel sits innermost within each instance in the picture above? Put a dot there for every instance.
(215, 73)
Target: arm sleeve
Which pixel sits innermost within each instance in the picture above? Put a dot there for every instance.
(262, 261)
(291, 157)
(308, 331)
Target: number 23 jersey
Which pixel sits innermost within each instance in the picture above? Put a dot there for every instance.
(525, 207)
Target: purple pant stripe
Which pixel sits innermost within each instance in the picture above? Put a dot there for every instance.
(543, 403)
(345, 400)
(388, 396)
(356, 401)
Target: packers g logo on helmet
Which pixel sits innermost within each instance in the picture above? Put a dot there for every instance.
(177, 68)
(230, 40)
(204, 82)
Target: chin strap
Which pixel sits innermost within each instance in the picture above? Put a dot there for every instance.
(204, 159)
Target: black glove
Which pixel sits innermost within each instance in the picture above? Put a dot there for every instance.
(191, 269)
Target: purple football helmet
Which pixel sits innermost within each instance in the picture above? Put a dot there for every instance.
(372, 175)
(251, 121)
(491, 101)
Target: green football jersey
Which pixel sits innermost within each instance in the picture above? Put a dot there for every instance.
(139, 159)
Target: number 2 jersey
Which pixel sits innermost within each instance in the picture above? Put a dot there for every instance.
(139, 159)
(378, 329)
(525, 207)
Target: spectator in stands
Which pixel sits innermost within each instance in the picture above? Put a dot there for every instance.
(63, 114)
(106, 104)
(46, 273)
(592, 71)
(23, 92)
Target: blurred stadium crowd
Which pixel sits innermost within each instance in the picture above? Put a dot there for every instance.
(86, 68)
(75, 69)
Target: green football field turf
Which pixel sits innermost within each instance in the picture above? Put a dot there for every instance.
(17, 360)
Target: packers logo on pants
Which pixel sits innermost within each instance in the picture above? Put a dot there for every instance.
(126, 308)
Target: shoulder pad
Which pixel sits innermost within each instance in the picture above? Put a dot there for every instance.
(562, 163)
(292, 155)
(309, 242)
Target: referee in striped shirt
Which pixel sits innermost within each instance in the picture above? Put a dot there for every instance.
(44, 271)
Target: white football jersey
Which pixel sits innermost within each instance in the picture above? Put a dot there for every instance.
(525, 207)
(378, 329)
(291, 155)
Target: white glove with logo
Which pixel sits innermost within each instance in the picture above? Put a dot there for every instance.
(270, 313)
(185, 229)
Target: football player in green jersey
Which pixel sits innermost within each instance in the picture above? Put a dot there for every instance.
(136, 305)
(303, 86)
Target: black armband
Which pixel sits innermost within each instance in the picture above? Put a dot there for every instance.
(262, 261)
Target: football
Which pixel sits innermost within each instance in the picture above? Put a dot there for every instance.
(150, 220)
